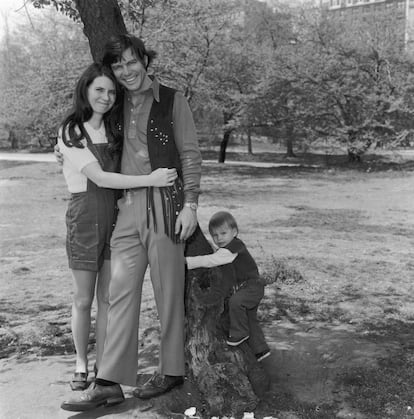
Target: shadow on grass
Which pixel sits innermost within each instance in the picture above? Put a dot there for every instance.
(361, 370)
(386, 390)
(370, 162)
(46, 336)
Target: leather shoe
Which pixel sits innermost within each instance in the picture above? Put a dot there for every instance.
(94, 397)
(79, 381)
(157, 385)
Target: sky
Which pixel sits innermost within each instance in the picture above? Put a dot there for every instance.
(14, 11)
(10, 6)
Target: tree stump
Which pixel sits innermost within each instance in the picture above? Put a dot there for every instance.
(230, 379)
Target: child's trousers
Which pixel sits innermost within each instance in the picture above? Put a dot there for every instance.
(243, 306)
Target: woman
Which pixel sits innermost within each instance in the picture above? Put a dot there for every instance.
(90, 140)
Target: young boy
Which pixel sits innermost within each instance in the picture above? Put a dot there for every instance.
(248, 291)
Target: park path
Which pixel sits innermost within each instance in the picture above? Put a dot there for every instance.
(49, 157)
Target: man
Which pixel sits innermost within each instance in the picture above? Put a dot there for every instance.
(151, 228)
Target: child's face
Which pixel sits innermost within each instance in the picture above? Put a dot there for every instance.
(223, 235)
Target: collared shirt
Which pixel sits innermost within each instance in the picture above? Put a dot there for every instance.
(135, 158)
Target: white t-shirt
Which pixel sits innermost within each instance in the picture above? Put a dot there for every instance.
(75, 159)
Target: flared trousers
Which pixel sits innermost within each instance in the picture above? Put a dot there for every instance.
(134, 246)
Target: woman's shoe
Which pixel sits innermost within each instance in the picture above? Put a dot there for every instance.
(79, 381)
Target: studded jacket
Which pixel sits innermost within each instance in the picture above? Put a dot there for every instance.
(160, 132)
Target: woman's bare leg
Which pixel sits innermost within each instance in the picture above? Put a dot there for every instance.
(84, 291)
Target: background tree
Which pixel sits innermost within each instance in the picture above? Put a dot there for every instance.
(286, 72)
(40, 62)
(353, 72)
(274, 99)
(237, 68)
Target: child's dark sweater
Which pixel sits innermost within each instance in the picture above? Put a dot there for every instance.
(244, 265)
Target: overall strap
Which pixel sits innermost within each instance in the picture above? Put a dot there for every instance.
(92, 146)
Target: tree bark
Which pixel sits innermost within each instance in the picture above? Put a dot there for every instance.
(227, 116)
(354, 153)
(249, 141)
(101, 19)
(223, 146)
(289, 140)
(14, 143)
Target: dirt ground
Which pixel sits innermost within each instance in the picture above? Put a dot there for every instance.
(339, 323)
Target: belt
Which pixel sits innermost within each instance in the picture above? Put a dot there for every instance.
(149, 190)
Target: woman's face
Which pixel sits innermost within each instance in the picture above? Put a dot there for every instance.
(101, 95)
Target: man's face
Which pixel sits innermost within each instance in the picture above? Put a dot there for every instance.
(130, 71)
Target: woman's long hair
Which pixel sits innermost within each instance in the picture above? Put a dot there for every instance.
(72, 126)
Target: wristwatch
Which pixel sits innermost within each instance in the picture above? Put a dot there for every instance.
(192, 205)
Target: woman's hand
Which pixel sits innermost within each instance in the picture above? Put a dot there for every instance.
(163, 177)
(58, 155)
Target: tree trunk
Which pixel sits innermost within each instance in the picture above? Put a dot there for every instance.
(354, 152)
(14, 142)
(249, 141)
(227, 116)
(223, 146)
(230, 380)
(354, 155)
(289, 140)
(101, 20)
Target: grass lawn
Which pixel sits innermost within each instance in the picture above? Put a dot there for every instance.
(339, 239)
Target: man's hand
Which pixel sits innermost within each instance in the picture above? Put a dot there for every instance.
(186, 223)
(58, 155)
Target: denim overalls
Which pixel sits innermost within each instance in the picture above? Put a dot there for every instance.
(91, 216)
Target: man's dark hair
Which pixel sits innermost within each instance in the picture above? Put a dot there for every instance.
(116, 46)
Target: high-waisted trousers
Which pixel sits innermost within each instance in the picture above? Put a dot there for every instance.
(134, 246)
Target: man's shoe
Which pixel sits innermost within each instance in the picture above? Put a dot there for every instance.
(236, 342)
(262, 355)
(157, 385)
(94, 397)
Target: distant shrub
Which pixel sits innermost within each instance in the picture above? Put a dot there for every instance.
(280, 271)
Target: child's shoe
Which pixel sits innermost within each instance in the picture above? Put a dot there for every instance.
(262, 355)
(235, 342)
